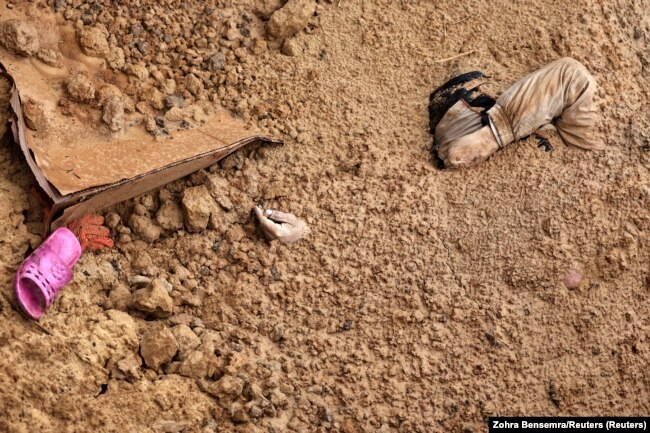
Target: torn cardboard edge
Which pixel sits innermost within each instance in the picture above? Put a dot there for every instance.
(65, 208)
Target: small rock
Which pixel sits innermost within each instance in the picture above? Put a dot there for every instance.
(94, 41)
(50, 57)
(154, 300)
(174, 101)
(144, 227)
(238, 413)
(254, 410)
(291, 47)
(197, 206)
(167, 285)
(156, 98)
(193, 84)
(259, 46)
(116, 58)
(278, 398)
(127, 369)
(168, 87)
(158, 348)
(217, 62)
(34, 114)
(291, 18)
(19, 37)
(80, 88)
(181, 319)
(175, 114)
(573, 277)
(120, 297)
(112, 220)
(150, 124)
(171, 427)
(265, 8)
(187, 340)
(170, 216)
(113, 113)
(143, 47)
(326, 414)
(235, 234)
(219, 188)
(143, 264)
(198, 365)
(136, 29)
(229, 387)
(139, 71)
(638, 33)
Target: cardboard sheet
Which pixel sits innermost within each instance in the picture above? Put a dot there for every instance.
(80, 164)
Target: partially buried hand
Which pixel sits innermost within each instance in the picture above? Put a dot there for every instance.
(285, 227)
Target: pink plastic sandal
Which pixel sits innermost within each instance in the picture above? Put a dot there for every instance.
(44, 273)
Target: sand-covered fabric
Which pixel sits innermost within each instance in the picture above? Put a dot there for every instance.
(561, 93)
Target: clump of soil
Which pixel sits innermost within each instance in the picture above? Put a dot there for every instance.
(113, 113)
(80, 88)
(19, 37)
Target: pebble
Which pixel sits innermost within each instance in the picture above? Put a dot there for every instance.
(94, 41)
(142, 264)
(573, 277)
(198, 364)
(50, 57)
(291, 18)
(174, 101)
(217, 62)
(158, 348)
(187, 340)
(127, 368)
(34, 114)
(170, 216)
(113, 113)
(80, 88)
(19, 37)
(154, 300)
(197, 207)
(193, 84)
(291, 47)
(144, 227)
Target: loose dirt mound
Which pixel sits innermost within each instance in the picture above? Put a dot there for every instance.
(423, 300)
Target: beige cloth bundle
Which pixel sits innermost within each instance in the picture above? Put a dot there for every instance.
(561, 95)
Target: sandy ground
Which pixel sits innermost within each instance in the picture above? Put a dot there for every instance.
(422, 301)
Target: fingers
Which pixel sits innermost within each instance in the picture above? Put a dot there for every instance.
(259, 213)
(282, 217)
(285, 227)
(275, 215)
(271, 229)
